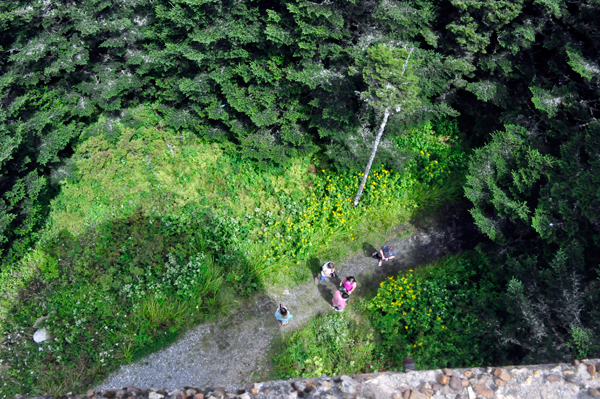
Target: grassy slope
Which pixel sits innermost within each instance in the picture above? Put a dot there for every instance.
(156, 222)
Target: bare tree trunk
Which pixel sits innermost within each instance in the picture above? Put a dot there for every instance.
(386, 115)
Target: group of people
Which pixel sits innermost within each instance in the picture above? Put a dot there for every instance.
(346, 287)
(340, 297)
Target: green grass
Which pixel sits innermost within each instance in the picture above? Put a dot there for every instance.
(157, 224)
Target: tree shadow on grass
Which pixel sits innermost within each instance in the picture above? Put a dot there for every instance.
(105, 261)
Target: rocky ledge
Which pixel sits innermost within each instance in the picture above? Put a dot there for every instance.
(560, 381)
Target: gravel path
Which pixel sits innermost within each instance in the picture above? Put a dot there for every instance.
(234, 350)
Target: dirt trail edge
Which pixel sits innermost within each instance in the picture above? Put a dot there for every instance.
(233, 350)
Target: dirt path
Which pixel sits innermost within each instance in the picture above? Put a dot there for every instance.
(233, 351)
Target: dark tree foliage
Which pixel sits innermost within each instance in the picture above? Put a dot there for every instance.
(534, 185)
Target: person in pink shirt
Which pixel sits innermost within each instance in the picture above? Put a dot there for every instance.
(339, 301)
(348, 285)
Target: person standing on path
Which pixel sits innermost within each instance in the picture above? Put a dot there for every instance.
(348, 285)
(339, 301)
(387, 252)
(283, 315)
(327, 270)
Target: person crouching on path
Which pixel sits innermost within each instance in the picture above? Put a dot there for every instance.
(387, 252)
(327, 270)
(283, 315)
(348, 285)
(339, 301)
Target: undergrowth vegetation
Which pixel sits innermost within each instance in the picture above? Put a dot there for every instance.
(432, 315)
(331, 344)
(151, 224)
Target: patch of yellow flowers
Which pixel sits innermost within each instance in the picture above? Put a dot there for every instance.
(327, 208)
(403, 311)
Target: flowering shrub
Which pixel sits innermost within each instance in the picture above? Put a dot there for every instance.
(409, 315)
(185, 278)
(437, 152)
(426, 315)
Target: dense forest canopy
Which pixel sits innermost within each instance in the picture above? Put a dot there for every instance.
(269, 82)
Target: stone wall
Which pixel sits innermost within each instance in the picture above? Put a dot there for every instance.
(555, 381)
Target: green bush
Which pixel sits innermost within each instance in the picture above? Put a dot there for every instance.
(430, 315)
(583, 343)
(436, 152)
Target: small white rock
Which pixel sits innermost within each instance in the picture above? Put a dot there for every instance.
(41, 336)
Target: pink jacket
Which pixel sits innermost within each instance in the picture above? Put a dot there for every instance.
(338, 300)
(349, 286)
